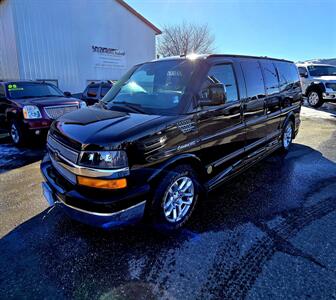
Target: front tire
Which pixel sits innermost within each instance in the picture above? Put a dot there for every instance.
(315, 99)
(16, 134)
(175, 198)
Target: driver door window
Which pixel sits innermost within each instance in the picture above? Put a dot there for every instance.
(223, 74)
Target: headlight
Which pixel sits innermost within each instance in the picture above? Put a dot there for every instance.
(31, 112)
(82, 104)
(104, 159)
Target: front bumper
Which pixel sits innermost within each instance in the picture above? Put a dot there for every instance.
(329, 96)
(113, 210)
(37, 124)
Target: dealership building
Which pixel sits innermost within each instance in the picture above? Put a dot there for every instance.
(72, 42)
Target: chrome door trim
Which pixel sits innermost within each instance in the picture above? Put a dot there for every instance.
(98, 213)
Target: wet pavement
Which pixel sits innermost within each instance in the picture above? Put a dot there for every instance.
(268, 234)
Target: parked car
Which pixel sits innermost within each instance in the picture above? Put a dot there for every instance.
(318, 83)
(96, 91)
(27, 108)
(167, 133)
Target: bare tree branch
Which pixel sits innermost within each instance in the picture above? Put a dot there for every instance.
(184, 39)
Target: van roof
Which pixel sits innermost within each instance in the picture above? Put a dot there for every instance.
(206, 56)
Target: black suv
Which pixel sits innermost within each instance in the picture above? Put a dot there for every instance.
(96, 91)
(169, 131)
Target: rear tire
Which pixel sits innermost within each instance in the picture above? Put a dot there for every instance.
(315, 99)
(175, 198)
(287, 137)
(16, 134)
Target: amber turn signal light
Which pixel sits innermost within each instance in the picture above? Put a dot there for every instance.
(112, 184)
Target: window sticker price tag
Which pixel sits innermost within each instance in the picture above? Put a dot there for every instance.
(14, 87)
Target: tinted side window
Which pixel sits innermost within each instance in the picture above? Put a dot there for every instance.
(254, 79)
(295, 76)
(223, 74)
(288, 75)
(270, 77)
(92, 90)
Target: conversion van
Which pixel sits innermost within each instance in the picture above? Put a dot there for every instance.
(168, 132)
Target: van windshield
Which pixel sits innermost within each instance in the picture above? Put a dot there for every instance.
(154, 88)
(322, 71)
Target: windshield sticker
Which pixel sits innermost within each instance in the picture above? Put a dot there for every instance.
(14, 87)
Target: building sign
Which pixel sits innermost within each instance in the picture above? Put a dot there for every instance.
(108, 58)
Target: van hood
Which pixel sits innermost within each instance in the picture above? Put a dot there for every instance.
(95, 128)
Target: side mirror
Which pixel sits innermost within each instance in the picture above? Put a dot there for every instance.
(92, 94)
(304, 74)
(213, 95)
(67, 94)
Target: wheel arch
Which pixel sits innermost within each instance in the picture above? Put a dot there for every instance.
(315, 86)
(184, 159)
(12, 115)
(289, 117)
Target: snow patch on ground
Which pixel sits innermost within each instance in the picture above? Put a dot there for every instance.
(314, 113)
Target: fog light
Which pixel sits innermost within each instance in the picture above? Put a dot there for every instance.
(37, 132)
(112, 184)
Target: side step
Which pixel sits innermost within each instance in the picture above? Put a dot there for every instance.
(241, 165)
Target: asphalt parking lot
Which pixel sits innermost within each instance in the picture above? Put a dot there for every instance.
(268, 234)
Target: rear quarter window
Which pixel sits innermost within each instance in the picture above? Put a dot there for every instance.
(288, 75)
(270, 77)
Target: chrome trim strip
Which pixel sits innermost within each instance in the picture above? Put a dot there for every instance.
(92, 172)
(57, 106)
(59, 142)
(98, 213)
(244, 149)
(226, 131)
(58, 146)
(227, 157)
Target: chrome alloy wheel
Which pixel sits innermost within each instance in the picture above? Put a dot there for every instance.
(313, 98)
(287, 136)
(178, 199)
(15, 134)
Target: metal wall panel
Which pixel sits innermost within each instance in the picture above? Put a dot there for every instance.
(9, 68)
(55, 39)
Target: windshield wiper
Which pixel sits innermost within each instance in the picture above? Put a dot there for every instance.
(133, 106)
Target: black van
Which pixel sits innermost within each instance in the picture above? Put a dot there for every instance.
(168, 132)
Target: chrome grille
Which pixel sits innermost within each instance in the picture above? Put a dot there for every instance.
(55, 112)
(59, 148)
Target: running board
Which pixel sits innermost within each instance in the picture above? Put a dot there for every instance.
(241, 165)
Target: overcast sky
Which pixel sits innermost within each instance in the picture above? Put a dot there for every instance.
(292, 29)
